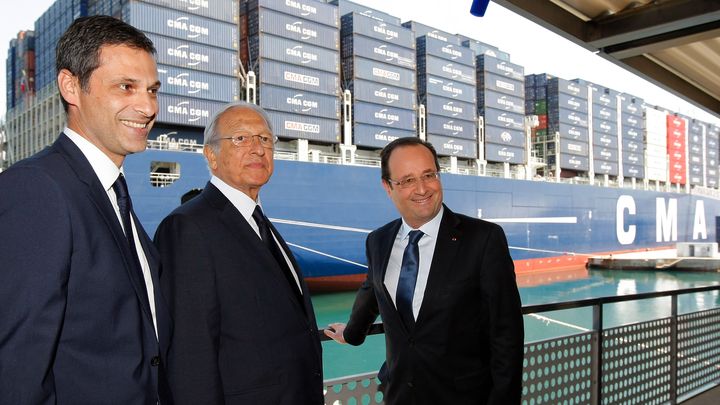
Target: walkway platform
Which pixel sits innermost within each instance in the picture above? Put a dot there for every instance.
(665, 260)
(709, 397)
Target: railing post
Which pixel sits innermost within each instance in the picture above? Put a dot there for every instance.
(673, 348)
(596, 360)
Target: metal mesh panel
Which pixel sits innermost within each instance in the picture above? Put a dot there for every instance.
(698, 350)
(636, 363)
(558, 371)
(360, 389)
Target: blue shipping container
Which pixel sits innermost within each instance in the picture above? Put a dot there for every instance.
(298, 29)
(448, 51)
(296, 126)
(182, 53)
(355, 23)
(571, 162)
(504, 153)
(421, 30)
(439, 125)
(310, 56)
(500, 67)
(606, 154)
(501, 101)
(605, 127)
(504, 119)
(367, 69)
(224, 10)
(637, 172)
(377, 137)
(558, 85)
(494, 82)
(186, 110)
(375, 49)
(298, 77)
(177, 24)
(446, 146)
(504, 136)
(450, 108)
(309, 9)
(432, 65)
(446, 88)
(192, 83)
(380, 93)
(299, 102)
(570, 132)
(602, 167)
(384, 116)
(632, 146)
(346, 7)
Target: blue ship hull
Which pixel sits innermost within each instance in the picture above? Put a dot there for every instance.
(325, 211)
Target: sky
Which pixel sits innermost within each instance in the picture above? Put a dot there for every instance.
(529, 45)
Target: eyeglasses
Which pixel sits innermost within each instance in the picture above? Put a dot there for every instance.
(245, 140)
(414, 181)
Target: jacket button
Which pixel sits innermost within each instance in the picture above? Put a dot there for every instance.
(155, 361)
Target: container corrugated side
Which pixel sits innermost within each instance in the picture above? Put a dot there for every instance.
(443, 87)
(631, 120)
(420, 30)
(633, 158)
(632, 146)
(176, 133)
(504, 119)
(375, 49)
(448, 51)
(182, 53)
(384, 116)
(224, 10)
(181, 25)
(633, 171)
(298, 29)
(432, 65)
(571, 162)
(557, 84)
(576, 148)
(298, 77)
(504, 153)
(346, 7)
(604, 113)
(606, 154)
(605, 97)
(377, 137)
(380, 93)
(193, 83)
(287, 51)
(486, 63)
(631, 104)
(450, 108)
(504, 136)
(605, 127)
(299, 102)
(367, 69)
(494, 82)
(568, 117)
(561, 100)
(602, 167)
(297, 126)
(570, 132)
(501, 101)
(355, 23)
(439, 125)
(186, 110)
(308, 9)
(481, 48)
(446, 146)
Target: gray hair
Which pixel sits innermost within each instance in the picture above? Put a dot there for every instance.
(211, 130)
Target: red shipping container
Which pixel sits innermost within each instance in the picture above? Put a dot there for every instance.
(674, 145)
(675, 122)
(542, 121)
(677, 177)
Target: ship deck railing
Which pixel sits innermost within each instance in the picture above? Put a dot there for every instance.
(665, 360)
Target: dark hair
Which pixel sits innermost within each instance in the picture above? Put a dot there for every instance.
(78, 50)
(400, 142)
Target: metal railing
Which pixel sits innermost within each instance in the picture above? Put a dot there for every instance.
(660, 361)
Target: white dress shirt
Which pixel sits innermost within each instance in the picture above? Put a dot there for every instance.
(246, 206)
(107, 173)
(426, 246)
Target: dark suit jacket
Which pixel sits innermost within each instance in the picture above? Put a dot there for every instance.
(467, 343)
(73, 328)
(241, 336)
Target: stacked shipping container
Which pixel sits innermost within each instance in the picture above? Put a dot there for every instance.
(446, 86)
(712, 143)
(567, 104)
(631, 134)
(656, 145)
(378, 68)
(294, 48)
(603, 105)
(696, 152)
(677, 149)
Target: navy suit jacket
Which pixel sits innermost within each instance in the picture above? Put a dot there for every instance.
(73, 329)
(467, 343)
(241, 335)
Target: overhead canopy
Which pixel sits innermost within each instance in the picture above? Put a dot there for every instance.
(672, 43)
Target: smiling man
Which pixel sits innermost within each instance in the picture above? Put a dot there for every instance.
(245, 330)
(444, 284)
(83, 320)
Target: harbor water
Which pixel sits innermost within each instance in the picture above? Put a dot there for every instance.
(551, 287)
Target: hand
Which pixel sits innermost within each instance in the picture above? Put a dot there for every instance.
(335, 332)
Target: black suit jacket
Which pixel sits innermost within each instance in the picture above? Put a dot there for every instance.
(467, 343)
(241, 336)
(73, 328)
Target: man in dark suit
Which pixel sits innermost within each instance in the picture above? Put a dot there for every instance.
(445, 287)
(82, 321)
(245, 330)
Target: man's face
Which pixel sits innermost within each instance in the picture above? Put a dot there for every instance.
(419, 203)
(119, 106)
(246, 168)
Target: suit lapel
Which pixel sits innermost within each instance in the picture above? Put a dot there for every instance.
(446, 248)
(85, 173)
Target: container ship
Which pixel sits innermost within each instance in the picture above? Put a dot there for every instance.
(568, 168)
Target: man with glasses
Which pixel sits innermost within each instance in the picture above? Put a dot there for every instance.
(444, 284)
(244, 327)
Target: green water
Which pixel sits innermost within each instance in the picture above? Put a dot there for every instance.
(342, 360)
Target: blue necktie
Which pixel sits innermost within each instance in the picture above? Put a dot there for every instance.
(125, 207)
(408, 278)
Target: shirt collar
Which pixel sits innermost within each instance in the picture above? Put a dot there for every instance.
(430, 228)
(104, 168)
(240, 200)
